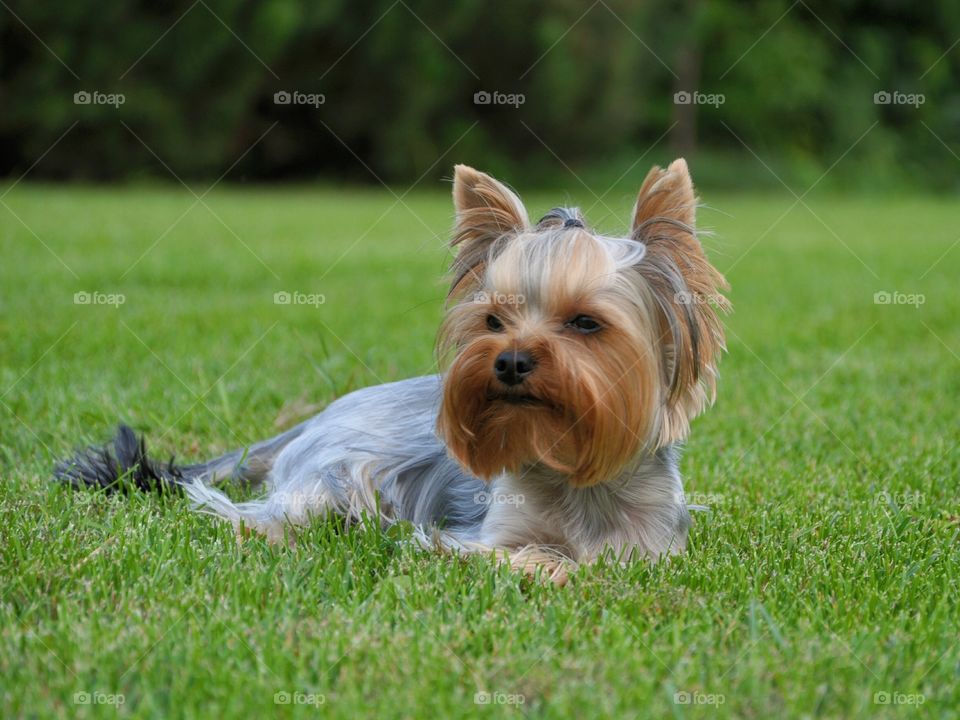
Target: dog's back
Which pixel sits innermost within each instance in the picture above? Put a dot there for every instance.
(372, 451)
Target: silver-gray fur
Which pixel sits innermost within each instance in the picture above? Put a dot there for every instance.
(375, 450)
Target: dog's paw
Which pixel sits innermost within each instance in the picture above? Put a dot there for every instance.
(541, 564)
(555, 572)
(275, 533)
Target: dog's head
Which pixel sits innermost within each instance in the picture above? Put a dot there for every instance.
(569, 349)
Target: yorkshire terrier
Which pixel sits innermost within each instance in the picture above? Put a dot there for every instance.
(575, 363)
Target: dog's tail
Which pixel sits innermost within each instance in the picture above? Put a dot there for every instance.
(124, 464)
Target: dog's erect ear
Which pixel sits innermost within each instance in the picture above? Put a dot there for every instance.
(687, 292)
(486, 211)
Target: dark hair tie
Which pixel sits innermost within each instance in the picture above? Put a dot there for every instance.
(569, 217)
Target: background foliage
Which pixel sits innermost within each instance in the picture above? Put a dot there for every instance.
(399, 77)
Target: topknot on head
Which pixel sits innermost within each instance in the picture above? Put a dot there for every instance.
(674, 292)
(561, 217)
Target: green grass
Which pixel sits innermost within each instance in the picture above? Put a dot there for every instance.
(826, 572)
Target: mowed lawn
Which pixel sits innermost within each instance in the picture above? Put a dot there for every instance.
(822, 583)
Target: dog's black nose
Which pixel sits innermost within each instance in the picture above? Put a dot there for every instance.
(513, 366)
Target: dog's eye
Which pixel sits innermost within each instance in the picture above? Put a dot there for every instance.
(584, 324)
(493, 322)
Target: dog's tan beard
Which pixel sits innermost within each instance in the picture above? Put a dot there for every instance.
(490, 430)
(582, 418)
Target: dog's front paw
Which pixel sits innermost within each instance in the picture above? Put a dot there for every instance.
(273, 533)
(556, 572)
(543, 564)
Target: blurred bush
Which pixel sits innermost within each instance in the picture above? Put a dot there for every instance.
(792, 82)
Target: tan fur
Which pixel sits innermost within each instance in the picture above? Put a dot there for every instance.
(601, 396)
(664, 220)
(487, 210)
(584, 446)
(597, 393)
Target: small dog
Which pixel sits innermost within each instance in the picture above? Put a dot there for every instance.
(576, 363)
